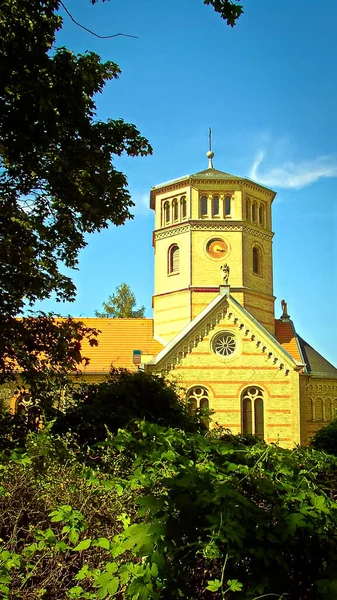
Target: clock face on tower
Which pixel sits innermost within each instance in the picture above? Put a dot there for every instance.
(217, 248)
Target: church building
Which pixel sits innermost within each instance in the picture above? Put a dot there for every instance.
(214, 330)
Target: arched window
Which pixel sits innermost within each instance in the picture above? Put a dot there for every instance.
(334, 408)
(192, 406)
(257, 261)
(327, 416)
(173, 259)
(203, 206)
(310, 406)
(252, 411)
(175, 210)
(166, 212)
(247, 415)
(261, 215)
(197, 399)
(215, 206)
(227, 206)
(248, 215)
(318, 409)
(254, 212)
(183, 208)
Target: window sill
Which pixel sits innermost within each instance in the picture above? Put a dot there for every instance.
(174, 273)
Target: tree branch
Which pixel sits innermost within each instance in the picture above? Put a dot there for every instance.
(101, 37)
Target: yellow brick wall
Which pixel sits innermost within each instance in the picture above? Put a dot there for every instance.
(163, 281)
(318, 404)
(172, 314)
(205, 270)
(261, 307)
(200, 300)
(226, 378)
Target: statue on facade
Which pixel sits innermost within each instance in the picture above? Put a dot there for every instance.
(284, 308)
(226, 270)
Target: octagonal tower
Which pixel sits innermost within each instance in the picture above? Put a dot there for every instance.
(202, 222)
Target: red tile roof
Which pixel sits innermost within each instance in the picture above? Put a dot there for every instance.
(116, 343)
(286, 336)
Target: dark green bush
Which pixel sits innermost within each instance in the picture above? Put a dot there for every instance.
(326, 439)
(14, 430)
(173, 515)
(114, 403)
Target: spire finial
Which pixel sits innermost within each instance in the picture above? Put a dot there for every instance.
(210, 153)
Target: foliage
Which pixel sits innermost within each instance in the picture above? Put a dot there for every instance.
(121, 305)
(40, 344)
(326, 438)
(57, 178)
(229, 11)
(114, 403)
(39, 354)
(172, 515)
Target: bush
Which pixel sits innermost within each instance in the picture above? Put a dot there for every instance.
(174, 515)
(114, 403)
(13, 430)
(326, 439)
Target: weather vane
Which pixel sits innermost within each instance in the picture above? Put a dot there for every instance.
(210, 153)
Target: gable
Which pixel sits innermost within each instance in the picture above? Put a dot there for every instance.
(224, 313)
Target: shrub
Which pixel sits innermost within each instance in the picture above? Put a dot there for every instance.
(326, 438)
(117, 401)
(174, 515)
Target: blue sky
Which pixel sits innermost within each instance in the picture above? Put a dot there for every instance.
(268, 89)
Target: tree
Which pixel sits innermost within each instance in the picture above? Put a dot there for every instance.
(229, 11)
(57, 178)
(121, 305)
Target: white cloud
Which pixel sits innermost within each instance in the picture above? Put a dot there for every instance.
(142, 204)
(293, 174)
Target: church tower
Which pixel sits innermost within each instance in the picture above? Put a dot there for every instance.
(202, 222)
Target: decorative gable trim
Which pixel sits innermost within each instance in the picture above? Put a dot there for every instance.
(224, 307)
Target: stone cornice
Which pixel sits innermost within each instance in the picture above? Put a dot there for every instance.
(235, 183)
(211, 225)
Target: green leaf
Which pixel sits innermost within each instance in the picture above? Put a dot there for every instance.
(75, 592)
(73, 536)
(4, 589)
(234, 585)
(83, 573)
(83, 545)
(103, 543)
(213, 585)
(106, 585)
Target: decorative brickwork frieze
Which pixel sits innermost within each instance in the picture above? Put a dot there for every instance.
(210, 225)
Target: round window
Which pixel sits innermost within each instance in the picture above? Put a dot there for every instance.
(224, 344)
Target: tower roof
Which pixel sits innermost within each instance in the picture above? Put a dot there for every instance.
(205, 174)
(316, 364)
(209, 174)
